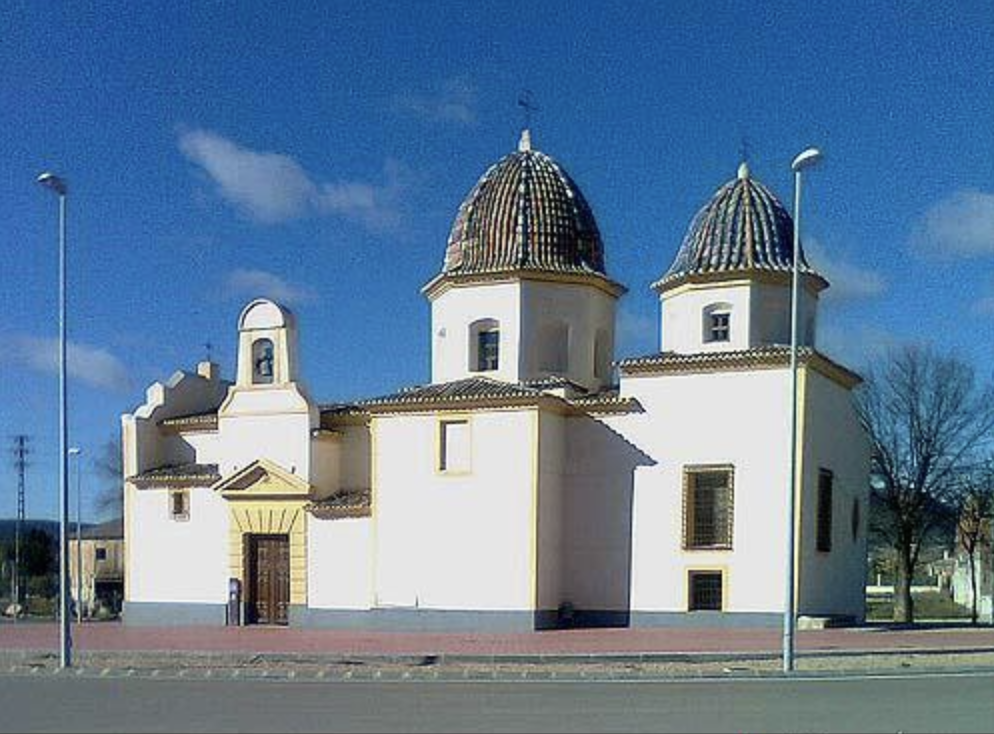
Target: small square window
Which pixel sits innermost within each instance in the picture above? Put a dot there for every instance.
(705, 591)
(100, 554)
(720, 327)
(179, 505)
(454, 446)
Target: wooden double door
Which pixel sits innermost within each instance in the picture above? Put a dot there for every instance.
(267, 574)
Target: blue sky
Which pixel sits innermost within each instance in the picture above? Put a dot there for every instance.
(318, 153)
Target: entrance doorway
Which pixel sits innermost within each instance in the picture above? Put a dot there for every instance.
(267, 574)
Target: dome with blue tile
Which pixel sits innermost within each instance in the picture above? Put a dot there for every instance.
(743, 228)
(525, 213)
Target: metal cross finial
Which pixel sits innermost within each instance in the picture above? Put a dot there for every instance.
(526, 103)
(744, 150)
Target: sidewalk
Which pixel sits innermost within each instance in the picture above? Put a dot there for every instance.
(577, 643)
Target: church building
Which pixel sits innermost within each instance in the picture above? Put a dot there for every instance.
(535, 481)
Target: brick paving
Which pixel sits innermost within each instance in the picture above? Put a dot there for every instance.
(114, 637)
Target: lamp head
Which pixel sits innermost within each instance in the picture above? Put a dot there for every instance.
(75, 451)
(51, 181)
(806, 159)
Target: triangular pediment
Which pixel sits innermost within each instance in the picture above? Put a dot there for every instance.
(263, 478)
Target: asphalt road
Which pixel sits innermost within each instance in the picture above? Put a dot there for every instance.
(912, 704)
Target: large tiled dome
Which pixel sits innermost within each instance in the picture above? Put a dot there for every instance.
(743, 228)
(525, 213)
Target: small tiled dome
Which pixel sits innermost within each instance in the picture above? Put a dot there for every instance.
(525, 213)
(743, 228)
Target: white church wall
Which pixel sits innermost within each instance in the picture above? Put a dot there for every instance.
(355, 456)
(339, 569)
(178, 561)
(597, 536)
(326, 465)
(455, 540)
(683, 317)
(737, 419)
(452, 314)
(281, 437)
(550, 555)
(585, 312)
(833, 582)
(770, 319)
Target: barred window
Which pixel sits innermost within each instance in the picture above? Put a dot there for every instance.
(720, 327)
(705, 591)
(707, 509)
(823, 541)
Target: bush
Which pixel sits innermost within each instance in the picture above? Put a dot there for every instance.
(928, 605)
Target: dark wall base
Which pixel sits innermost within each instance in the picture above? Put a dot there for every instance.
(170, 614)
(706, 619)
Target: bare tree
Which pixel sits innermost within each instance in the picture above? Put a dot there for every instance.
(109, 465)
(926, 418)
(974, 519)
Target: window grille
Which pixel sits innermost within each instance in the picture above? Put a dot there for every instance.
(708, 509)
(706, 591)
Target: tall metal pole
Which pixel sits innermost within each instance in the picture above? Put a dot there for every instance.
(788, 608)
(65, 630)
(806, 159)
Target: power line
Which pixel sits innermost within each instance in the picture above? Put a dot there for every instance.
(20, 451)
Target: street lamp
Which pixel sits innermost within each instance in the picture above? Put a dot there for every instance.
(76, 451)
(54, 183)
(806, 159)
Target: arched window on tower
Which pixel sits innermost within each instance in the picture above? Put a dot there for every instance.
(553, 348)
(717, 326)
(484, 345)
(262, 362)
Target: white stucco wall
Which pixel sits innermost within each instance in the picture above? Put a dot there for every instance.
(177, 561)
(326, 464)
(455, 310)
(585, 311)
(455, 541)
(550, 552)
(600, 470)
(339, 571)
(760, 315)
(266, 423)
(356, 457)
(833, 582)
(736, 418)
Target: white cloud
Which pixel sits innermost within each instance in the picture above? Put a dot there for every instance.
(273, 187)
(961, 224)
(857, 346)
(259, 283)
(90, 365)
(455, 102)
(849, 282)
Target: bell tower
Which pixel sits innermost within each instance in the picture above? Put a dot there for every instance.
(267, 413)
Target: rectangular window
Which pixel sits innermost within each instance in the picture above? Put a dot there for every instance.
(453, 446)
(705, 591)
(707, 509)
(179, 504)
(823, 540)
(101, 554)
(488, 350)
(720, 327)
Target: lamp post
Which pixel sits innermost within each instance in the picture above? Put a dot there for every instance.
(806, 159)
(76, 451)
(54, 183)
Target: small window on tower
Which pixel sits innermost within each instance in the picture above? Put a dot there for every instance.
(262, 362)
(719, 329)
(488, 350)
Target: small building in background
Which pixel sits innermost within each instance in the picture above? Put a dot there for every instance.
(100, 552)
